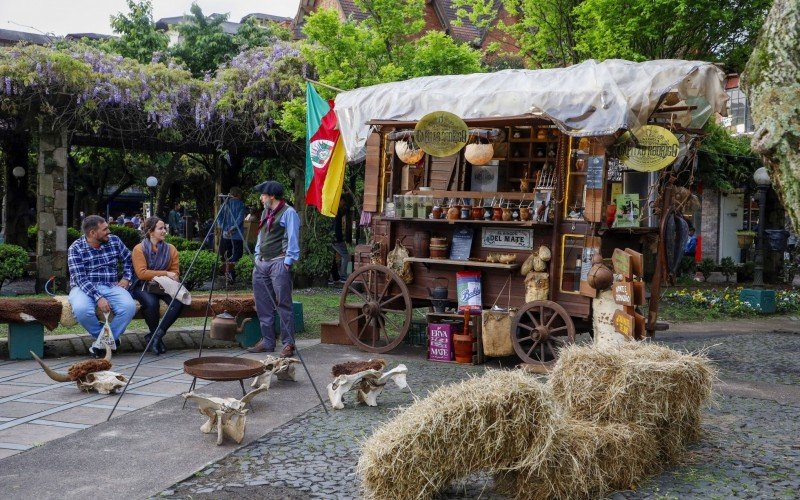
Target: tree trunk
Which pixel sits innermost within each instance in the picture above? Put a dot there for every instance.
(17, 204)
(772, 81)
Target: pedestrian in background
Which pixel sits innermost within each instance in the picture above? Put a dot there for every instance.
(232, 225)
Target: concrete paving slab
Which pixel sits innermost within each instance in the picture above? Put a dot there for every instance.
(33, 435)
(16, 409)
(162, 387)
(7, 453)
(35, 378)
(84, 415)
(11, 390)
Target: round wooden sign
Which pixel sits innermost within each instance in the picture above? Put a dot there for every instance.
(657, 148)
(441, 133)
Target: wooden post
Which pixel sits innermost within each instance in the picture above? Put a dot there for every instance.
(661, 263)
(52, 217)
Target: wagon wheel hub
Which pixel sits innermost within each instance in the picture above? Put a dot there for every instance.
(543, 333)
(371, 309)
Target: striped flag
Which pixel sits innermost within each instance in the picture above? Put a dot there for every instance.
(325, 156)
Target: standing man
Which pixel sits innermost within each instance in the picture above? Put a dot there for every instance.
(277, 249)
(232, 225)
(339, 245)
(174, 219)
(93, 262)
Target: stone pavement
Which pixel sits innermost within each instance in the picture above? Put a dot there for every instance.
(750, 448)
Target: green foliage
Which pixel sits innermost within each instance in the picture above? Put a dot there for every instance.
(202, 269)
(688, 267)
(129, 236)
(316, 254)
(545, 31)
(244, 268)
(72, 235)
(33, 232)
(706, 267)
(436, 54)
(725, 162)
(727, 267)
(181, 243)
(138, 37)
(203, 45)
(13, 260)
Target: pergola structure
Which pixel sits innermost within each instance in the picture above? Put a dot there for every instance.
(81, 96)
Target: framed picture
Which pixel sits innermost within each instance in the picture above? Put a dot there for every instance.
(627, 210)
(541, 205)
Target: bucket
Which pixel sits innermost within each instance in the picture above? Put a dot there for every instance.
(462, 345)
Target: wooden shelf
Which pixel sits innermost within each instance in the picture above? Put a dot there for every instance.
(507, 195)
(517, 223)
(463, 263)
(528, 140)
(540, 159)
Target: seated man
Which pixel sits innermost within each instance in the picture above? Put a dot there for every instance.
(93, 262)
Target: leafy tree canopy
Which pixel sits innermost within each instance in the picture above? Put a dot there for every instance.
(203, 45)
(725, 161)
(138, 37)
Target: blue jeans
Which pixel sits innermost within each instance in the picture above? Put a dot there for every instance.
(272, 279)
(121, 302)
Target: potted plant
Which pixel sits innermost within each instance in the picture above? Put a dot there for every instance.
(745, 238)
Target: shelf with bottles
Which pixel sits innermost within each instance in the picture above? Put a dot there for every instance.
(572, 249)
(534, 134)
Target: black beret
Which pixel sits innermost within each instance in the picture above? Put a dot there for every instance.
(271, 188)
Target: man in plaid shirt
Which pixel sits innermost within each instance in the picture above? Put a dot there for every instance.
(93, 262)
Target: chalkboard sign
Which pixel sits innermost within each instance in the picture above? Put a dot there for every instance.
(461, 246)
(594, 172)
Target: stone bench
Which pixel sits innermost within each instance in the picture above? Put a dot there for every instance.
(27, 318)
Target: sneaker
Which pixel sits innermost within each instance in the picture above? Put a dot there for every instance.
(97, 353)
(288, 351)
(261, 347)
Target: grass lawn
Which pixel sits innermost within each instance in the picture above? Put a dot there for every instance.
(319, 304)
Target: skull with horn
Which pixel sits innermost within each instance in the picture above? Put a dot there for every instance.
(92, 374)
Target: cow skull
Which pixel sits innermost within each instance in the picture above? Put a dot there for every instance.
(368, 383)
(102, 380)
(227, 415)
(283, 368)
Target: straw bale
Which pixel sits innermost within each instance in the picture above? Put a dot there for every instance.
(642, 383)
(484, 423)
(585, 460)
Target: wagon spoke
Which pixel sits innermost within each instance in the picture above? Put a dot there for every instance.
(356, 292)
(533, 318)
(536, 343)
(560, 328)
(357, 318)
(550, 321)
(529, 328)
(383, 304)
(385, 289)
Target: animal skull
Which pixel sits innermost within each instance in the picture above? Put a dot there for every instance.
(368, 383)
(104, 382)
(227, 415)
(284, 368)
(89, 375)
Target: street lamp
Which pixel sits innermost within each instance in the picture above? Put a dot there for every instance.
(761, 178)
(152, 183)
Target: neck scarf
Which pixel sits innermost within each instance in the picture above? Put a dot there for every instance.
(158, 260)
(269, 216)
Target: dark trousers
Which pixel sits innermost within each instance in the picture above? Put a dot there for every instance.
(272, 286)
(150, 309)
(231, 250)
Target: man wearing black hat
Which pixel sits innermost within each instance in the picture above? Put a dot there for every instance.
(277, 249)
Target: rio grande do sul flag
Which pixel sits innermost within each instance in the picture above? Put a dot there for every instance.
(325, 156)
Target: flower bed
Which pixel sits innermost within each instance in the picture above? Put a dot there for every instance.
(716, 302)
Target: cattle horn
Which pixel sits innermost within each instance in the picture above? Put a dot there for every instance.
(107, 357)
(58, 377)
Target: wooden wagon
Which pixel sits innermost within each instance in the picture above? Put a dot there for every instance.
(556, 178)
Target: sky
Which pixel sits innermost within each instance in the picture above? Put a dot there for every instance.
(60, 17)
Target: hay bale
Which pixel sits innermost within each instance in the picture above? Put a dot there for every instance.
(641, 383)
(585, 460)
(485, 423)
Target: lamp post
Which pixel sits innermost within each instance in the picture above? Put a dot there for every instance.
(761, 178)
(152, 183)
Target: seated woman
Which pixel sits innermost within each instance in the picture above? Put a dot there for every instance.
(155, 257)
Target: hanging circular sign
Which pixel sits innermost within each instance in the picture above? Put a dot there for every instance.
(657, 148)
(441, 133)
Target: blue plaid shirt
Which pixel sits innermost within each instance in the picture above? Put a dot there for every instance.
(89, 266)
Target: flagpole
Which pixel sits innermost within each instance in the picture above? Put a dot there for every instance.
(324, 85)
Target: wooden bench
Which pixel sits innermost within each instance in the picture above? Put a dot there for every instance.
(27, 319)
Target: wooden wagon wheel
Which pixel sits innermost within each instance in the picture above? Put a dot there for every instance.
(375, 308)
(539, 330)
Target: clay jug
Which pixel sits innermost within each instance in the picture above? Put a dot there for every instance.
(453, 213)
(497, 213)
(506, 214)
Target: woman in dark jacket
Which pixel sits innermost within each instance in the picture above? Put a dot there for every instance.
(155, 257)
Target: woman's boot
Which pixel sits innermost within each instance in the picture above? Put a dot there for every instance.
(158, 346)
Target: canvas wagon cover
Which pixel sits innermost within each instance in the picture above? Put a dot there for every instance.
(588, 99)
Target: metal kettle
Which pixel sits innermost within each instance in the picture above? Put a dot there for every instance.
(440, 291)
(224, 327)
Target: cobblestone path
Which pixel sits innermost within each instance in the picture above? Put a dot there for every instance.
(751, 447)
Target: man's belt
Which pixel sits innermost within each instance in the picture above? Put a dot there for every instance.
(265, 259)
